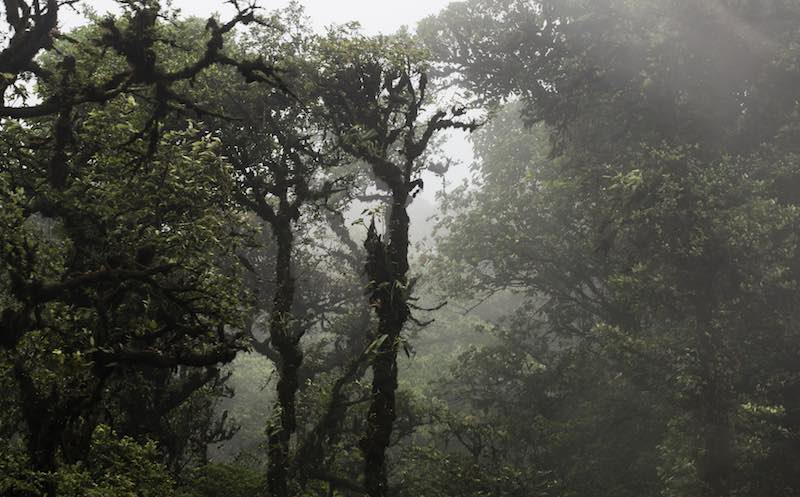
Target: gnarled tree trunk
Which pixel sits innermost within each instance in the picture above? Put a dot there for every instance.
(290, 357)
(387, 268)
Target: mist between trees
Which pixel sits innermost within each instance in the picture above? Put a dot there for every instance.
(217, 277)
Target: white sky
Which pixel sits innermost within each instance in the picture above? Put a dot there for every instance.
(375, 16)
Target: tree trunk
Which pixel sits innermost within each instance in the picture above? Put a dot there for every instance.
(282, 340)
(387, 268)
(44, 425)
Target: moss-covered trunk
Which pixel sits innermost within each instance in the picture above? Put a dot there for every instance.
(387, 268)
(284, 423)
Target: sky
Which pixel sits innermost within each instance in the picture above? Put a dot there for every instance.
(375, 16)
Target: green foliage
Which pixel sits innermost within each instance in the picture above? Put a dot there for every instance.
(653, 242)
(114, 466)
(622, 270)
(222, 480)
(435, 473)
(118, 261)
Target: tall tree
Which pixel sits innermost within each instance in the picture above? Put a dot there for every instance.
(97, 282)
(376, 93)
(279, 156)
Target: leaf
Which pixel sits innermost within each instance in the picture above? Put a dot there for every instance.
(375, 345)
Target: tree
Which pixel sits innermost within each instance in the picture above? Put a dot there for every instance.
(99, 283)
(665, 160)
(376, 93)
(281, 158)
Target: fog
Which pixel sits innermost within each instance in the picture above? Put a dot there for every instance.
(512, 248)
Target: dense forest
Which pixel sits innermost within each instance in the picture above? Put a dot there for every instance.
(219, 278)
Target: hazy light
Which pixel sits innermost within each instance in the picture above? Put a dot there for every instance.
(375, 17)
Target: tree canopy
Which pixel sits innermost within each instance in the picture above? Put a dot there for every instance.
(208, 284)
